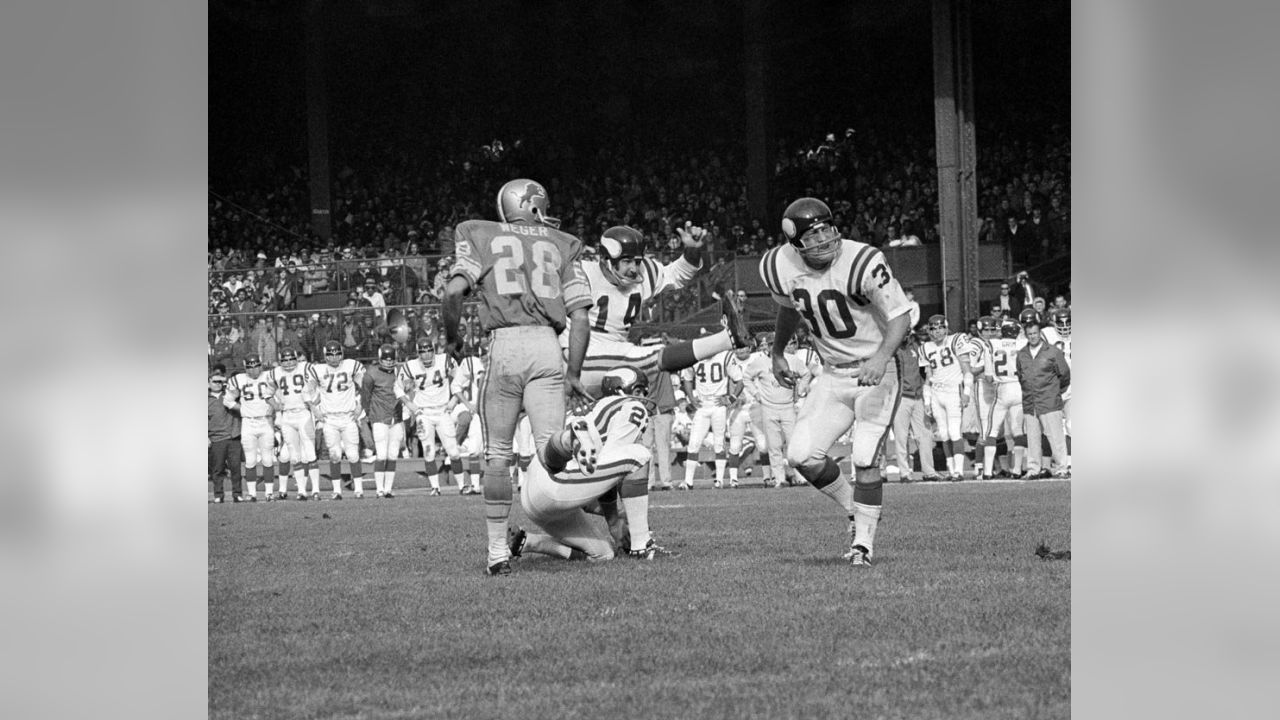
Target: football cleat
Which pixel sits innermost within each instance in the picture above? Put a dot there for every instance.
(315, 496)
(858, 555)
(684, 486)
(502, 567)
(282, 495)
(515, 540)
(237, 498)
(336, 496)
(717, 484)
(251, 498)
(1062, 475)
(271, 497)
(217, 500)
(955, 477)
(650, 551)
(301, 497)
(586, 444)
(359, 496)
(434, 491)
(931, 477)
(733, 484)
(731, 311)
(388, 495)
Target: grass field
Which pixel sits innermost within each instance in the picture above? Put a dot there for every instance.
(382, 610)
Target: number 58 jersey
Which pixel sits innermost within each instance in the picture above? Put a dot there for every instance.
(846, 306)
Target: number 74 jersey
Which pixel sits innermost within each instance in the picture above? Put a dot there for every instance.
(846, 306)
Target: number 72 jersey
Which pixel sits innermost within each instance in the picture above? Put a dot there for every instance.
(846, 306)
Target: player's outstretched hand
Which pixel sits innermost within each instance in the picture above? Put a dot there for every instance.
(691, 235)
(577, 392)
(782, 372)
(872, 370)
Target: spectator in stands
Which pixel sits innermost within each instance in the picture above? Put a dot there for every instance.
(374, 297)
(241, 303)
(1023, 293)
(286, 334)
(288, 285)
(325, 330)
(1005, 303)
(226, 347)
(351, 334)
(262, 341)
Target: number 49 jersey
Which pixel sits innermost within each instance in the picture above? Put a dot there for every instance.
(616, 309)
(292, 385)
(525, 274)
(846, 306)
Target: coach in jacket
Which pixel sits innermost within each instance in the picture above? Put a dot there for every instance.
(1044, 376)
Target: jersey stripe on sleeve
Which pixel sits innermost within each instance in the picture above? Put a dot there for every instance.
(651, 271)
(768, 271)
(858, 268)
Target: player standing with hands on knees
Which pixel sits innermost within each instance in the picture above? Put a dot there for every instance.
(531, 285)
(857, 316)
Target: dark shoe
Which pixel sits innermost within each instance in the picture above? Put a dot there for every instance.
(731, 309)
(650, 551)
(515, 541)
(858, 555)
(501, 567)
(931, 477)
(218, 500)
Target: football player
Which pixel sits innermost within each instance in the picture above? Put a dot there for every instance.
(857, 315)
(378, 395)
(1006, 409)
(777, 406)
(622, 281)
(296, 423)
(570, 480)
(467, 380)
(531, 285)
(739, 416)
(950, 385)
(423, 384)
(252, 394)
(1058, 334)
(335, 383)
(711, 385)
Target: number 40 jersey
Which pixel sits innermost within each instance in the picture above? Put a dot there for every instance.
(846, 306)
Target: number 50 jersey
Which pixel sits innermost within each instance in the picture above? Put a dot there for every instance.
(846, 306)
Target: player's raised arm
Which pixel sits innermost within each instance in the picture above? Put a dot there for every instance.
(680, 271)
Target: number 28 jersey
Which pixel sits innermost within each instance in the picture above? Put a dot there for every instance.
(525, 274)
(847, 306)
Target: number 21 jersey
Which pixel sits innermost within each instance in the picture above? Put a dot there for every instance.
(525, 274)
(846, 305)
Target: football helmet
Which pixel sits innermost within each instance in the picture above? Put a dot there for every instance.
(1010, 330)
(524, 200)
(988, 327)
(807, 225)
(618, 244)
(936, 327)
(1062, 321)
(253, 364)
(624, 380)
(288, 358)
(333, 353)
(1028, 315)
(386, 356)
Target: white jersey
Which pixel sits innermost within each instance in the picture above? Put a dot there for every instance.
(1058, 340)
(846, 306)
(467, 379)
(338, 387)
(944, 359)
(710, 377)
(252, 393)
(291, 385)
(427, 384)
(1002, 363)
(615, 309)
(620, 419)
(760, 383)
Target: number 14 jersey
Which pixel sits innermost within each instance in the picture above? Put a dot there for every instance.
(846, 305)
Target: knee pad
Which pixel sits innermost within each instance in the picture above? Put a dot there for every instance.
(820, 474)
(455, 465)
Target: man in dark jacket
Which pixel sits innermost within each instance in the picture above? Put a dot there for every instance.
(1044, 375)
(224, 440)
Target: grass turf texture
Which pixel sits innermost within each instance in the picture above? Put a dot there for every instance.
(382, 611)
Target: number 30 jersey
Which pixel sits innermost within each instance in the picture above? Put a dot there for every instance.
(847, 306)
(524, 274)
(617, 308)
(337, 386)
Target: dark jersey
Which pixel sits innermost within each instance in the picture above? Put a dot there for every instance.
(524, 274)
